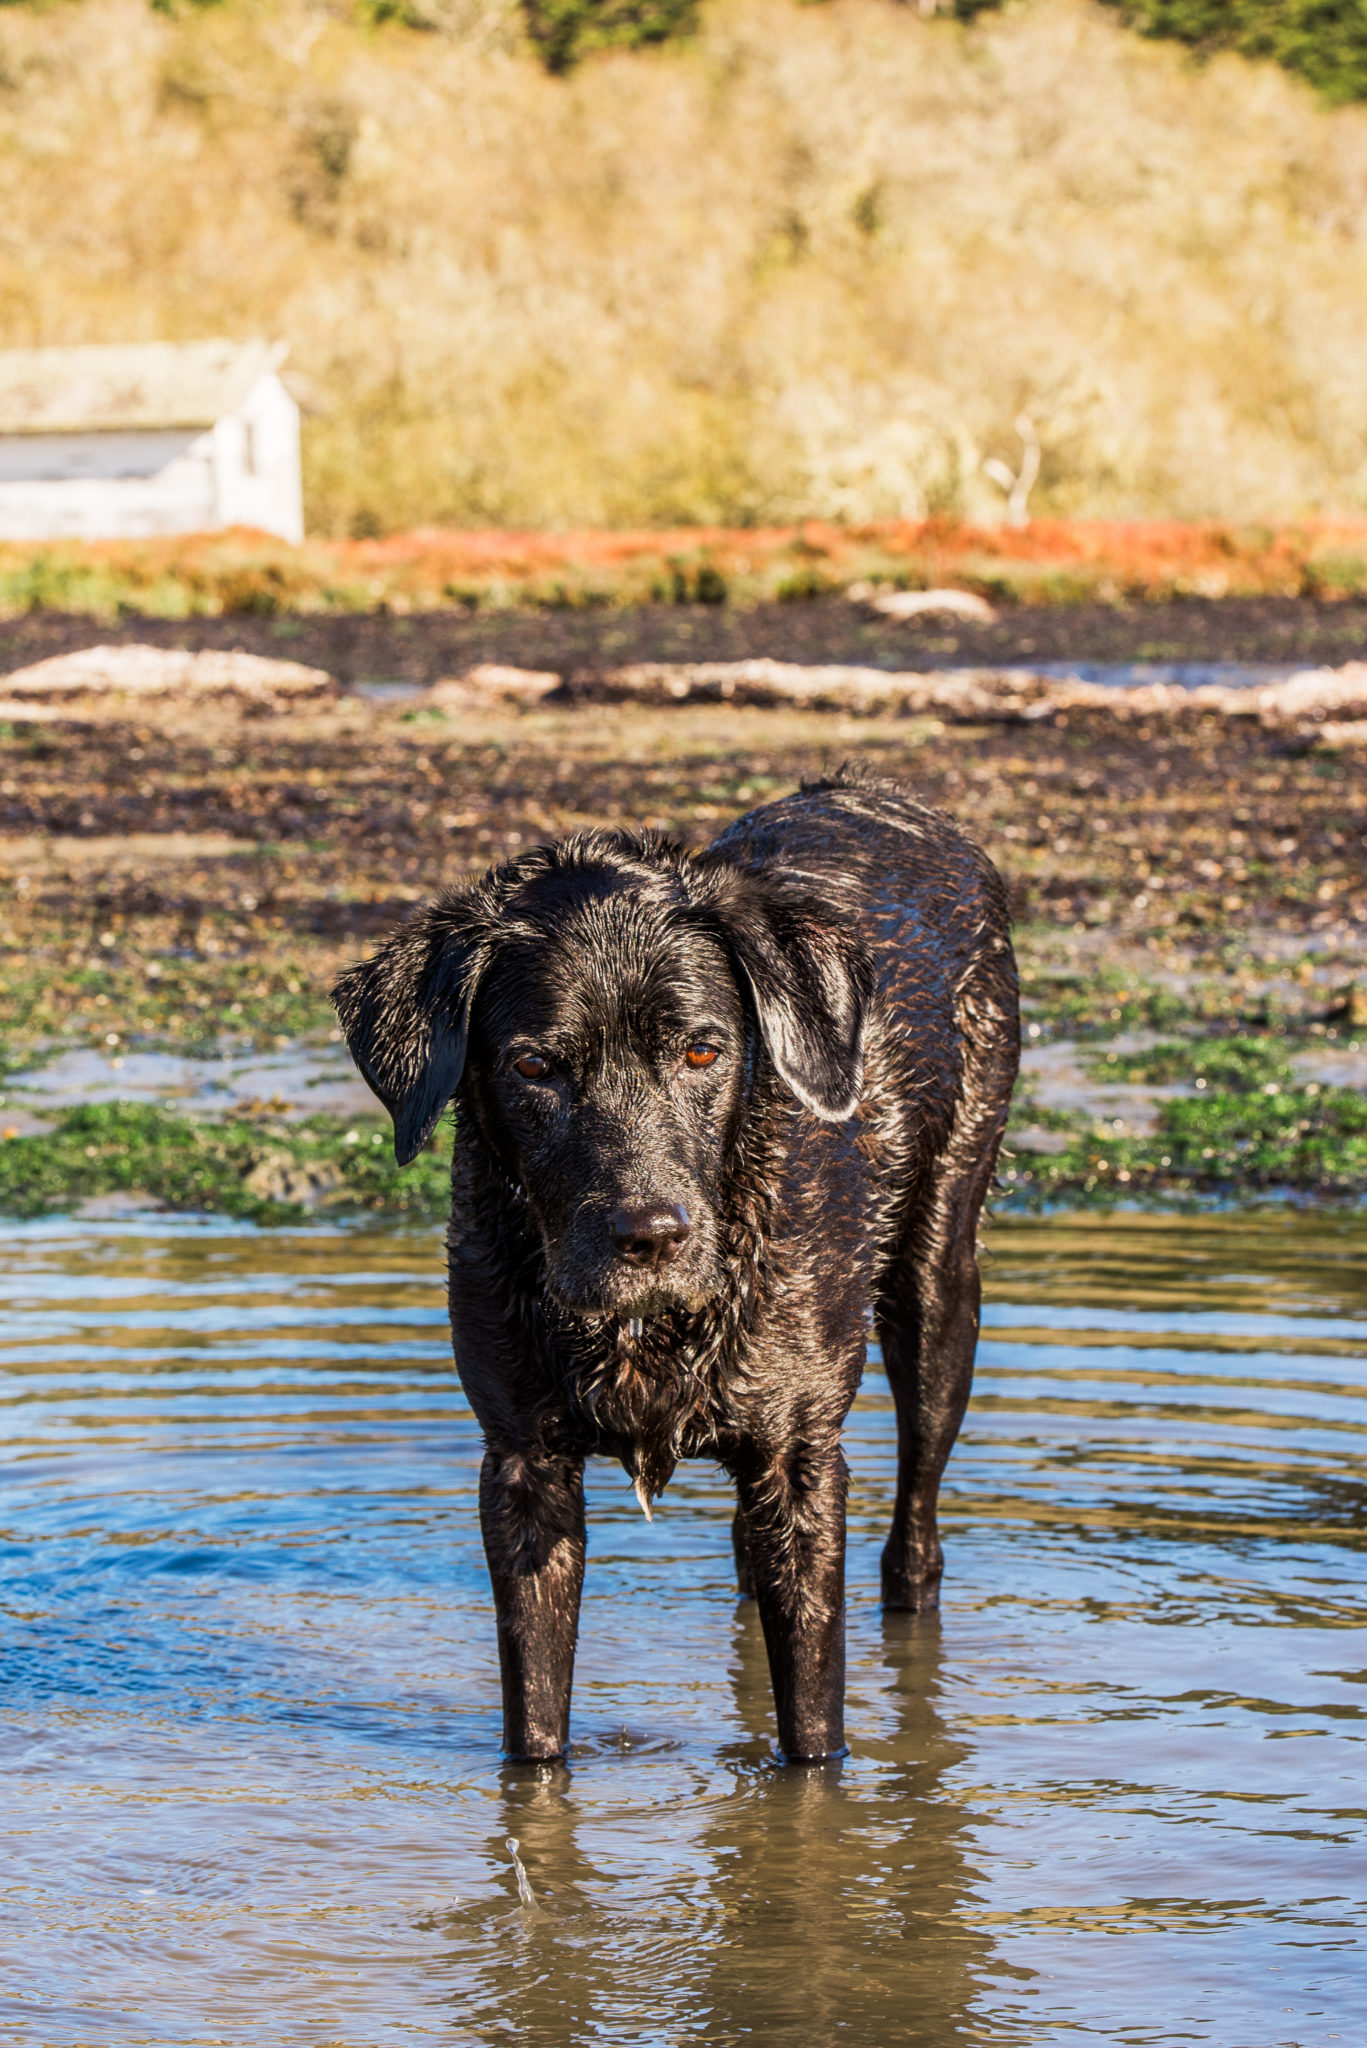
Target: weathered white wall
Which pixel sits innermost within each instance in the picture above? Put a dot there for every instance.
(53, 458)
(105, 486)
(256, 462)
(244, 471)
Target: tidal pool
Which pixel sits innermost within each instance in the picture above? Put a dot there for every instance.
(249, 1703)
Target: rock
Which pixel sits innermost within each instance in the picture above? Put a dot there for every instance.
(165, 672)
(279, 1178)
(922, 604)
(1350, 1008)
(1310, 695)
(114, 1207)
(1341, 735)
(1032, 1140)
(961, 694)
(973, 695)
(492, 682)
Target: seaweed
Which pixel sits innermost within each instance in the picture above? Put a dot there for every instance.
(265, 1173)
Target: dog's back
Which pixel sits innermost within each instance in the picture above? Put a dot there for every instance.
(920, 888)
(944, 1029)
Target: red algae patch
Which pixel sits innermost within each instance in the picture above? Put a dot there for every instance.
(1048, 561)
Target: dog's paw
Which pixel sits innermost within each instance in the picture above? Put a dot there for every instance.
(911, 1586)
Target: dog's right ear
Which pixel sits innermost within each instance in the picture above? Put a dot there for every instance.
(405, 1014)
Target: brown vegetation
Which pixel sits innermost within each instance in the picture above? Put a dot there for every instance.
(816, 262)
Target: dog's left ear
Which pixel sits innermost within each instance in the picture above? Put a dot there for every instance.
(405, 1014)
(811, 976)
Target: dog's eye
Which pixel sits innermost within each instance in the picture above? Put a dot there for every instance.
(701, 1054)
(532, 1067)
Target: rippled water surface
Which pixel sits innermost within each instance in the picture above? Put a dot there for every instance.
(249, 1701)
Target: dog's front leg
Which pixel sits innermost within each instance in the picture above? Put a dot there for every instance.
(792, 1503)
(531, 1510)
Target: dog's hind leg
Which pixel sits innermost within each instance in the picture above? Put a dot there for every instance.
(532, 1514)
(928, 1324)
(927, 1316)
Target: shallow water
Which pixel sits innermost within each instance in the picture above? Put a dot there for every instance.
(301, 1080)
(1186, 675)
(249, 1704)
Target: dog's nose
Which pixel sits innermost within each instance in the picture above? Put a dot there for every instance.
(650, 1235)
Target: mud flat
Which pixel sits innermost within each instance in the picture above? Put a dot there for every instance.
(181, 877)
(376, 646)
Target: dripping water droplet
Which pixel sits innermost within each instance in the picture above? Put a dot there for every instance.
(525, 1895)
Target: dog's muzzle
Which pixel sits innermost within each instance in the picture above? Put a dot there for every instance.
(633, 1259)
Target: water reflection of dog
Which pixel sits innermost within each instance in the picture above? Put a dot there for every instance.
(770, 1907)
(846, 1889)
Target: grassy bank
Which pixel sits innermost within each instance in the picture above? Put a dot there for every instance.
(267, 1172)
(811, 262)
(1049, 562)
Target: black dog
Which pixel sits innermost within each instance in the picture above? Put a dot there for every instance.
(711, 1110)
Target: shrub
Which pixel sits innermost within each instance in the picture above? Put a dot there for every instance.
(1325, 41)
(563, 30)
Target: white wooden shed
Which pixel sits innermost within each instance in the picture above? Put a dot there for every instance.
(145, 438)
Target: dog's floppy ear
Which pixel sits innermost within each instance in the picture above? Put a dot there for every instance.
(811, 976)
(406, 1017)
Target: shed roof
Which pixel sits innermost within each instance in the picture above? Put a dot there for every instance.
(134, 385)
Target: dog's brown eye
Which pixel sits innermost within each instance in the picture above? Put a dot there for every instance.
(700, 1054)
(532, 1067)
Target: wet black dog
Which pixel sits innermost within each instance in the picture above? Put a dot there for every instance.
(710, 1111)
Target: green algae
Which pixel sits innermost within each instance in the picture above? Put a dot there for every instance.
(1240, 1064)
(1241, 1140)
(241, 1167)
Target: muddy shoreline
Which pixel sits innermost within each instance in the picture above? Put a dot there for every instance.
(1190, 894)
(424, 646)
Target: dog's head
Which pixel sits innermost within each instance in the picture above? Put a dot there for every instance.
(602, 1008)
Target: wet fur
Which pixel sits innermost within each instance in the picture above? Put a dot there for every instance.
(854, 949)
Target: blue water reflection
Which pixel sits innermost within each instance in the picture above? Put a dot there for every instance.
(249, 1710)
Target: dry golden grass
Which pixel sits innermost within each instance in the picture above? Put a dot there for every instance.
(814, 264)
